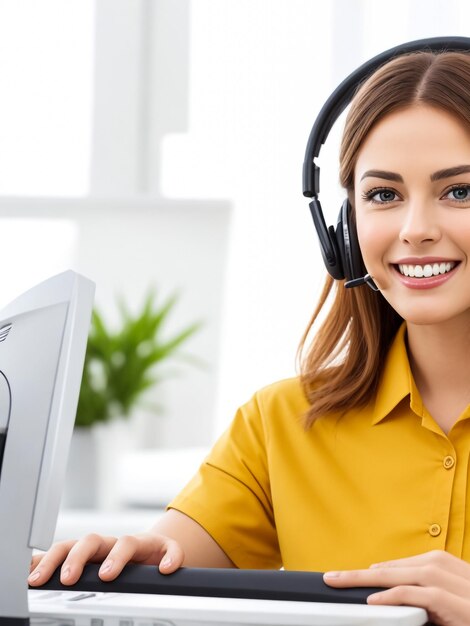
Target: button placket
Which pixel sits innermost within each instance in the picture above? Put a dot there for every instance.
(437, 522)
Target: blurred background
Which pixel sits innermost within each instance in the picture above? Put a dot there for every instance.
(159, 144)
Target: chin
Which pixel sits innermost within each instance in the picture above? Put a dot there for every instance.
(426, 317)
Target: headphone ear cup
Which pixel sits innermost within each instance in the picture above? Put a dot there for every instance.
(327, 238)
(348, 243)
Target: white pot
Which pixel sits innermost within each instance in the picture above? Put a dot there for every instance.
(91, 470)
(81, 489)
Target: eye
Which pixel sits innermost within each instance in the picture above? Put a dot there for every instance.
(459, 193)
(380, 195)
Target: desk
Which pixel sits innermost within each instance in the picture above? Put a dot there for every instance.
(150, 610)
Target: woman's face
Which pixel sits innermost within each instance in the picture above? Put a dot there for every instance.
(412, 199)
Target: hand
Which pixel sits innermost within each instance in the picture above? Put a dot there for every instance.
(146, 548)
(435, 581)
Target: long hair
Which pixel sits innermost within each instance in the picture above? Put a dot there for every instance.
(341, 367)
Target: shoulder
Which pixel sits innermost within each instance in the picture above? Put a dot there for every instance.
(281, 401)
(287, 391)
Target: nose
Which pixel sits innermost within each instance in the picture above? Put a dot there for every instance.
(420, 224)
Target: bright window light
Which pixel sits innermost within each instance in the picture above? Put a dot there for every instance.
(34, 249)
(46, 79)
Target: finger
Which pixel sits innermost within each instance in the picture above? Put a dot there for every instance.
(44, 565)
(172, 559)
(35, 560)
(122, 552)
(145, 548)
(423, 576)
(92, 548)
(442, 607)
(437, 557)
(160, 550)
(423, 597)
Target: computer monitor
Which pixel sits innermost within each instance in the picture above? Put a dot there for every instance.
(43, 336)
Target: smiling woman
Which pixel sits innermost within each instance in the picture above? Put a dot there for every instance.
(408, 179)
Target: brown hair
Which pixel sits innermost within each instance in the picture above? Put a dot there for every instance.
(342, 366)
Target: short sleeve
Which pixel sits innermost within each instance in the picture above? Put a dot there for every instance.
(230, 495)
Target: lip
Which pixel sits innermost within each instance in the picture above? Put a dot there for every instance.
(425, 283)
(425, 260)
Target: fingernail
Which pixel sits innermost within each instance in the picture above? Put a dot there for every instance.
(65, 573)
(34, 576)
(107, 565)
(331, 574)
(375, 597)
(166, 562)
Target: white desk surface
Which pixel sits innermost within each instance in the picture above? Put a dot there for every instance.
(114, 609)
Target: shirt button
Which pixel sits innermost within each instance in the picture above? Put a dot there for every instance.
(449, 462)
(434, 530)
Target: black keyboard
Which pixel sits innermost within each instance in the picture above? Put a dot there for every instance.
(220, 583)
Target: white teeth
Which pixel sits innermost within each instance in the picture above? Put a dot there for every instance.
(426, 271)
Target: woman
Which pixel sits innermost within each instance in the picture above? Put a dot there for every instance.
(362, 460)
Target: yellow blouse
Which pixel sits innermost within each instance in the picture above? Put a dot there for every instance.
(378, 483)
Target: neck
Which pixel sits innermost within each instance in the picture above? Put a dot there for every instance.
(440, 361)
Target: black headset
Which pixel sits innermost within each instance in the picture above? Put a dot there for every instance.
(340, 247)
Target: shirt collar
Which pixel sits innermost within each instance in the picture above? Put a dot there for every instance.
(396, 381)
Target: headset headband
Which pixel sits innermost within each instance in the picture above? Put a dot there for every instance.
(344, 93)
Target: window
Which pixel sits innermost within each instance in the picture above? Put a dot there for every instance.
(46, 73)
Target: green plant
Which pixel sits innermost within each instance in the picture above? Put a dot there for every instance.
(121, 365)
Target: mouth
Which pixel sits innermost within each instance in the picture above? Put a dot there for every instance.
(427, 270)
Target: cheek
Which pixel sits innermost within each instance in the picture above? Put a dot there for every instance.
(460, 231)
(374, 240)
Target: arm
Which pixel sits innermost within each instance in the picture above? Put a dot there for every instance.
(175, 540)
(435, 581)
(199, 549)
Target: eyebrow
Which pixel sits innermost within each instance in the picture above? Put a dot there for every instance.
(384, 174)
(439, 175)
(450, 171)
